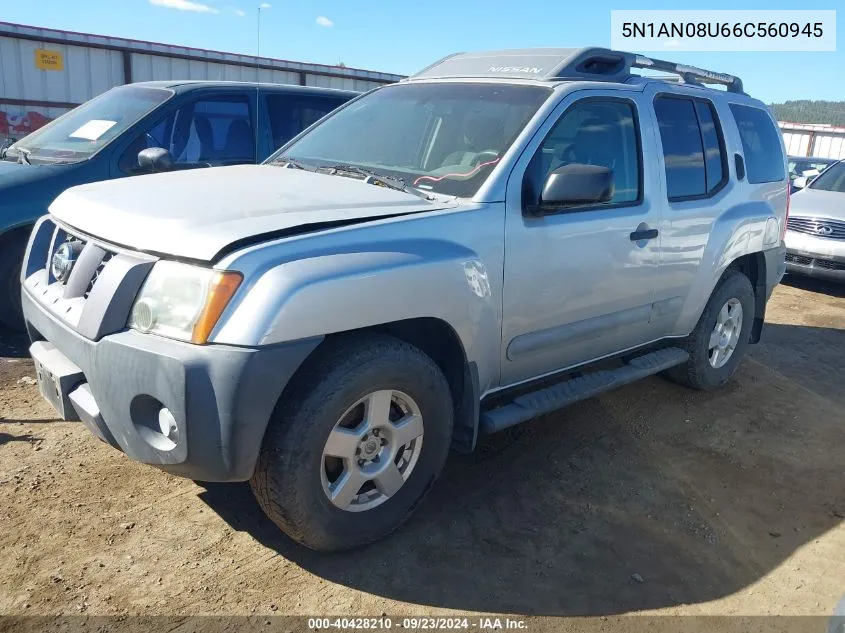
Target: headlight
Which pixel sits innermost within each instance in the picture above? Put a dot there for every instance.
(182, 301)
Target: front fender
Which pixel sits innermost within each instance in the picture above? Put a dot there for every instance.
(321, 293)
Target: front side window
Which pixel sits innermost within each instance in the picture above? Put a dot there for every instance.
(441, 137)
(760, 144)
(210, 131)
(596, 132)
(85, 130)
(831, 179)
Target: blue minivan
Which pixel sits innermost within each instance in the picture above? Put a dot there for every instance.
(138, 129)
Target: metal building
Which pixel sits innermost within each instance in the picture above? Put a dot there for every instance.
(818, 141)
(45, 72)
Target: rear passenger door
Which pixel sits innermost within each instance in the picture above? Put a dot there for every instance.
(578, 284)
(694, 171)
(290, 113)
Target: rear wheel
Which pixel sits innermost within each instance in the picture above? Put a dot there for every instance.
(12, 249)
(717, 344)
(360, 436)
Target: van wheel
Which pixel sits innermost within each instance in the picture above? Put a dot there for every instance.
(11, 256)
(717, 344)
(360, 435)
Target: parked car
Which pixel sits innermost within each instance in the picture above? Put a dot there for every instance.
(802, 169)
(430, 262)
(815, 236)
(196, 124)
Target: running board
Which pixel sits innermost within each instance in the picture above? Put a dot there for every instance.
(530, 405)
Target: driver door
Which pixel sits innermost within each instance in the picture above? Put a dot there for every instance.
(579, 281)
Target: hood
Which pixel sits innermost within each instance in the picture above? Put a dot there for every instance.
(818, 203)
(13, 175)
(27, 190)
(197, 213)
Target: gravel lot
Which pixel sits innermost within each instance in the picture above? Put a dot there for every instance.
(651, 499)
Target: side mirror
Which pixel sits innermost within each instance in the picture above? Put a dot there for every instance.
(577, 184)
(799, 183)
(155, 159)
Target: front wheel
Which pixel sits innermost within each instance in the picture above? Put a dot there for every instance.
(717, 344)
(359, 437)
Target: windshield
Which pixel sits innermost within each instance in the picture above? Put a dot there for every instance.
(443, 137)
(85, 130)
(798, 167)
(831, 179)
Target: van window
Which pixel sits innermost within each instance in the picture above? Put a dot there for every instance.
(592, 132)
(289, 114)
(212, 131)
(84, 131)
(760, 144)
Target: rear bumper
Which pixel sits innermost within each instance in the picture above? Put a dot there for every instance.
(220, 397)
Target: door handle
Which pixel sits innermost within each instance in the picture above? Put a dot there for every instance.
(643, 234)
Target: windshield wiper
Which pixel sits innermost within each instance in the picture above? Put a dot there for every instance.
(292, 163)
(23, 155)
(374, 178)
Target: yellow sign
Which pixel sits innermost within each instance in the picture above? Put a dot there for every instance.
(49, 60)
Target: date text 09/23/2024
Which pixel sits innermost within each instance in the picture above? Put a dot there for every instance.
(419, 623)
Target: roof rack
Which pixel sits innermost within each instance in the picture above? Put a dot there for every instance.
(689, 74)
(559, 64)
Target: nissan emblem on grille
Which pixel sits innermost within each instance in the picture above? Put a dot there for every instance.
(64, 259)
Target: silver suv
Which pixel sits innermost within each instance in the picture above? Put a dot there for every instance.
(437, 259)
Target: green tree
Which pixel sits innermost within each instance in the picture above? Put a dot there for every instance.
(806, 111)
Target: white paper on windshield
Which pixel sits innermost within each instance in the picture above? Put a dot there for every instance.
(93, 130)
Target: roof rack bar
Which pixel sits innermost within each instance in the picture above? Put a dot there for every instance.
(689, 73)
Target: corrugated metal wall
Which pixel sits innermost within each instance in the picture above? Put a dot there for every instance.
(152, 67)
(87, 72)
(30, 96)
(819, 141)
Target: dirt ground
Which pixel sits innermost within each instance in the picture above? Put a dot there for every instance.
(651, 499)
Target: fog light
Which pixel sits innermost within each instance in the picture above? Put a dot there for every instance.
(144, 315)
(167, 424)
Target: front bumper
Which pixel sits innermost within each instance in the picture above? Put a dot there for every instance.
(818, 257)
(221, 397)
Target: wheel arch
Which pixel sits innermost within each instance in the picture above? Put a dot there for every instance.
(439, 340)
(753, 266)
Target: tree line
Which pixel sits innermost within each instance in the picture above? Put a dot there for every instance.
(805, 111)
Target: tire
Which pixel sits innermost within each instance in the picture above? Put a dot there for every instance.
(292, 479)
(699, 372)
(11, 256)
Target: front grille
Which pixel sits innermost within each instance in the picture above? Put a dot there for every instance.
(820, 227)
(799, 259)
(96, 274)
(803, 260)
(829, 265)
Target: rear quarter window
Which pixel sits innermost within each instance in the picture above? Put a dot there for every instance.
(760, 144)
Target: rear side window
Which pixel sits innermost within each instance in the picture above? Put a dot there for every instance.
(290, 114)
(693, 151)
(760, 144)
